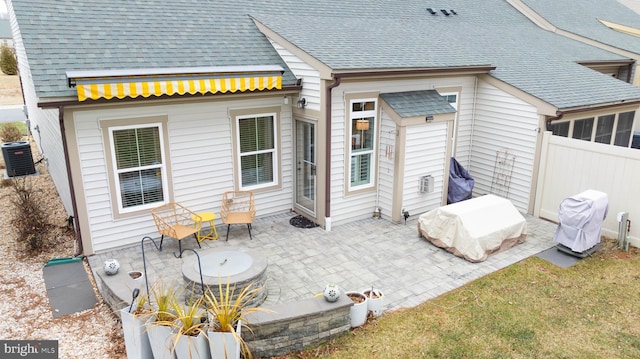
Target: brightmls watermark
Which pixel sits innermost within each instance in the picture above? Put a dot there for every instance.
(29, 349)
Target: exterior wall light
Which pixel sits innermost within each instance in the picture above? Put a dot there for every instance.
(302, 103)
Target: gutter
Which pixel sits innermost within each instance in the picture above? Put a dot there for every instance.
(427, 71)
(76, 221)
(559, 115)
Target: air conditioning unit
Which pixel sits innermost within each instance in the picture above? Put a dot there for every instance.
(18, 159)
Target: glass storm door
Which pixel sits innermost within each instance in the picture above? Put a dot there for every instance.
(306, 166)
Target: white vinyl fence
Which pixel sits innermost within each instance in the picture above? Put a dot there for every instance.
(569, 166)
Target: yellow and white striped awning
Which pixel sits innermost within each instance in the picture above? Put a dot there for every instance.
(157, 82)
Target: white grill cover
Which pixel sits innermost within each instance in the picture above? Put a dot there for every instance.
(581, 218)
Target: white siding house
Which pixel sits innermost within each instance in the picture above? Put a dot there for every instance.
(219, 103)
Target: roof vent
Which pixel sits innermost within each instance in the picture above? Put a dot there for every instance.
(445, 12)
(453, 12)
(430, 10)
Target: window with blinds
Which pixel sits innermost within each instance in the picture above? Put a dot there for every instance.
(138, 163)
(362, 118)
(257, 150)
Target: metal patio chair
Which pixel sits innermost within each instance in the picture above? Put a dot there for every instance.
(238, 207)
(176, 221)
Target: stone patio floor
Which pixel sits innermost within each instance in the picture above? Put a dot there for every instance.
(302, 261)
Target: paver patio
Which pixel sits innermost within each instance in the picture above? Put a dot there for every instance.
(301, 261)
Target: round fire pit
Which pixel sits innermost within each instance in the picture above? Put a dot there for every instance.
(239, 268)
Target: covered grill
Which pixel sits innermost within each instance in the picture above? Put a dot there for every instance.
(580, 222)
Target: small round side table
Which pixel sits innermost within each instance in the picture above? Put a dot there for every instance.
(210, 217)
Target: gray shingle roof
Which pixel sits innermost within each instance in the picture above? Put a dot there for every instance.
(417, 103)
(70, 35)
(582, 18)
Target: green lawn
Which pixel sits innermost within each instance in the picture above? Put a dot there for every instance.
(532, 309)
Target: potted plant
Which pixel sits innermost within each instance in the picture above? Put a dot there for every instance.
(134, 319)
(227, 315)
(358, 312)
(160, 326)
(190, 339)
(375, 299)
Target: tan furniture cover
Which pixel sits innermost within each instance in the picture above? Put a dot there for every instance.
(474, 228)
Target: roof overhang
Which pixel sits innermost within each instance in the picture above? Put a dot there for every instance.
(132, 83)
(417, 107)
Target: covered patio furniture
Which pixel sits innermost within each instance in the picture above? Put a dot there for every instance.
(460, 183)
(176, 221)
(238, 207)
(475, 228)
(580, 221)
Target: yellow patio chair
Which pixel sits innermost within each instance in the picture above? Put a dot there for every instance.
(176, 221)
(238, 207)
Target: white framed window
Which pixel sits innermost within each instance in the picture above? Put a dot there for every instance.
(138, 165)
(257, 150)
(583, 129)
(452, 99)
(612, 129)
(362, 129)
(560, 128)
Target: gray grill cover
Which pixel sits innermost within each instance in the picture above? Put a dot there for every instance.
(581, 218)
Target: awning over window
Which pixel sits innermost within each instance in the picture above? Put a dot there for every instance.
(173, 81)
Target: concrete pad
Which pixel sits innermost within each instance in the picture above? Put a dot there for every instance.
(559, 258)
(68, 288)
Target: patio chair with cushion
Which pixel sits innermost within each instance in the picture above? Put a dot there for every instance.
(238, 207)
(176, 221)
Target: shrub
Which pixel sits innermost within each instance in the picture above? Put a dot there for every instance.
(8, 63)
(10, 133)
(30, 215)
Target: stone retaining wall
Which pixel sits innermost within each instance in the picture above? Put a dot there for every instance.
(294, 326)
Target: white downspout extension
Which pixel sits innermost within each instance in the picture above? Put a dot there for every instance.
(473, 120)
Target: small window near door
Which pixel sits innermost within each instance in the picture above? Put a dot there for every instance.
(362, 120)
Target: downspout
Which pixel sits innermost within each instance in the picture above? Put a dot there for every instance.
(629, 72)
(76, 221)
(559, 115)
(473, 121)
(327, 182)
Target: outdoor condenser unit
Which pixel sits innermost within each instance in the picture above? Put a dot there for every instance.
(426, 184)
(18, 159)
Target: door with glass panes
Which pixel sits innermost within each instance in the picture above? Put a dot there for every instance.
(305, 193)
